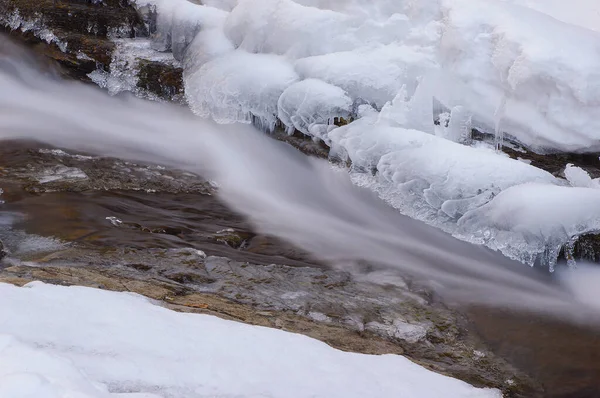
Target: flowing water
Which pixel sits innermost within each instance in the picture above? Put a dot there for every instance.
(279, 192)
(282, 192)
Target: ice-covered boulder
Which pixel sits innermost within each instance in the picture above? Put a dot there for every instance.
(537, 76)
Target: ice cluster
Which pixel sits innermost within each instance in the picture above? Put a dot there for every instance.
(414, 79)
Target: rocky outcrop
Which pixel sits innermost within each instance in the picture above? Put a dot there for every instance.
(80, 35)
(77, 34)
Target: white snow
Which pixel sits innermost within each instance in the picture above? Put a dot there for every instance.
(374, 75)
(495, 53)
(584, 13)
(67, 342)
(578, 177)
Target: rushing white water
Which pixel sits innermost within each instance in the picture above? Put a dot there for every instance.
(282, 192)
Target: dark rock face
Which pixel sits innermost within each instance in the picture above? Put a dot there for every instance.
(73, 32)
(79, 35)
(166, 81)
(3, 252)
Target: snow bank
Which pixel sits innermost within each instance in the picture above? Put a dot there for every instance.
(28, 372)
(584, 13)
(513, 63)
(100, 344)
(287, 27)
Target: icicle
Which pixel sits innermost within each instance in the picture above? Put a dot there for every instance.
(498, 133)
(570, 252)
(459, 126)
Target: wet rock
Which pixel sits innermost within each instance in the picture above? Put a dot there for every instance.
(187, 277)
(50, 170)
(3, 252)
(232, 238)
(74, 33)
(163, 80)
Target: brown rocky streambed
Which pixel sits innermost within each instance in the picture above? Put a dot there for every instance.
(115, 225)
(105, 223)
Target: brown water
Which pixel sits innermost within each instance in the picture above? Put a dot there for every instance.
(195, 219)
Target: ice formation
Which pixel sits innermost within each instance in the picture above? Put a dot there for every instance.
(312, 102)
(484, 54)
(578, 177)
(240, 86)
(535, 214)
(414, 78)
(58, 341)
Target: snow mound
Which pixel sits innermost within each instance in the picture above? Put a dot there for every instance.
(101, 344)
(534, 218)
(287, 27)
(310, 102)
